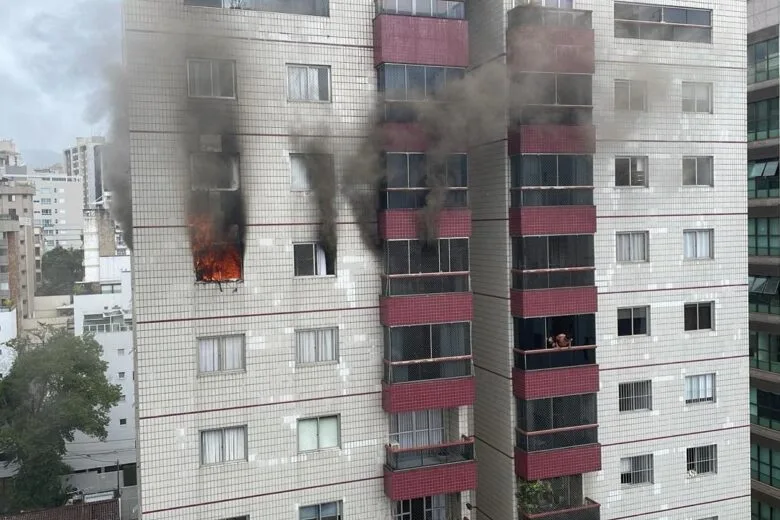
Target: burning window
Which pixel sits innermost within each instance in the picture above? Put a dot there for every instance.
(214, 171)
(313, 260)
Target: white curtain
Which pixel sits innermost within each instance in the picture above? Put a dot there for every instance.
(421, 437)
(438, 507)
(321, 262)
(300, 179)
(703, 244)
(327, 344)
(624, 247)
(329, 432)
(625, 465)
(699, 387)
(208, 354)
(235, 443)
(233, 354)
(307, 435)
(436, 426)
(638, 246)
(297, 80)
(689, 244)
(211, 446)
(307, 346)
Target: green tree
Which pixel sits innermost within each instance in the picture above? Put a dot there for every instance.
(60, 268)
(56, 387)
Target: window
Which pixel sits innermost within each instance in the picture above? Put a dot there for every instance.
(630, 95)
(697, 171)
(317, 345)
(765, 409)
(763, 181)
(654, 22)
(636, 470)
(121, 375)
(415, 82)
(697, 244)
(214, 171)
(435, 8)
(122, 422)
(763, 120)
(765, 467)
(700, 389)
(635, 396)
(696, 97)
(543, 88)
(122, 398)
(211, 78)
(631, 171)
(313, 260)
(703, 459)
(318, 433)
(434, 507)
(421, 428)
(120, 352)
(552, 413)
(762, 61)
(533, 175)
(406, 185)
(305, 7)
(221, 353)
(299, 173)
(308, 83)
(441, 351)
(326, 511)
(539, 262)
(129, 475)
(765, 347)
(448, 255)
(632, 246)
(223, 445)
(698, 316)
(764, 236)
(633, 321)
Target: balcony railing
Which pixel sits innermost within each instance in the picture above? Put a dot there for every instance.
(427, 369)
(439, 9)
(542, 359)
(435, 455)
(549, 17)
(433, 283)
(552, 114)
(552, 196)
(553, 278)
(587, 510)
(415, 198)
(556, 439)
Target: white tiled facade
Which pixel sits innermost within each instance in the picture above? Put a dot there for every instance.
(175, 403)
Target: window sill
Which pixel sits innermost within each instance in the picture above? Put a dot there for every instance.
(314, 276)
(698, 186)
(318, 364)
(635, 486)
(709, 474)
(631, 187)
(310, 101)
(223, 464)
(705, 259)
(632, 262)
(320, 450)
(213, 98)
(218, 373)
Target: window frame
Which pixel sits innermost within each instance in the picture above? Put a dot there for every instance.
(222, 431)
(659, 12)
(308, 66)
(633, 164)
(317, 349)
(646, 308)
(648, 471)
(315, 247)
(764, 62)
(211, 62)
(698, 306)
(630, 84)
(221, 346)
(629, 398)
(766, 118)
(688, 400)
(630, 234)
(339, 510)
(696, 86)
(235, 168)
(694, 457)
(697, 159)
(697, 232)
(318, 419)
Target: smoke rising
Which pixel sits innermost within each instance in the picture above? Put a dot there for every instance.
(321, 175)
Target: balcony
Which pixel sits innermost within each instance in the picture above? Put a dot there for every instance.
(586, 510)
(418, 309)
(554, 302)
(583, 454)
(423, 394)
(552, 139)
(555, 372)
(553, 220)
(400, 223)
(420, 40)
(430, 470)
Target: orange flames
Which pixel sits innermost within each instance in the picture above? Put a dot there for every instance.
(216, 259)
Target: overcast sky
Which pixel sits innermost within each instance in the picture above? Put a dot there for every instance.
(52, 54)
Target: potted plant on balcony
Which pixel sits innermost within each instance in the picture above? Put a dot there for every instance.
(533, 495)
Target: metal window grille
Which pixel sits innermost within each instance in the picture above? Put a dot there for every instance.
(702, 459)
(636, 470)
(635, 396)
(700, 388)
(433, 507)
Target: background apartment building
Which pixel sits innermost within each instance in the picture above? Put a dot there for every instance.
(19, 273)
(764, 250)
(85, 160)
(610, 209)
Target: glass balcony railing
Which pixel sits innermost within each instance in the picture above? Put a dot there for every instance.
(522, 197)
(549, 17)
(419, 457)
(405, 285)
(556, 439)
(553, 278)
(542, 359)
(415, 198)
(427, 369)
(424, 8)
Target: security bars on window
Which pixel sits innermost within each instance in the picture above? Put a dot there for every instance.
(703, 459)
(433, 507)
(636, 470)
(326, 511)
(700, 388)
(635, 396)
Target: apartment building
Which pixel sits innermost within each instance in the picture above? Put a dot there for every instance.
(590, 254)
(85, 160)
(9, 154)
(18, 269)
(763, 251)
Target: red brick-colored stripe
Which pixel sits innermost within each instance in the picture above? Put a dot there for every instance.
(536, 384)
(557, 463)
(552, 220)
(434, 480)
(425, 395)
(421, 41)
(403, 223)
(552, 139)
(421, 309)
(553, 302)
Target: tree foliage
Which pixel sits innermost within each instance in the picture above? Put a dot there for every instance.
(60, 268)
(56, 387)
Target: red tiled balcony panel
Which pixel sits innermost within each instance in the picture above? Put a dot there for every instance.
(587, 510)
(579, 139)
(433, 480)
(553, 302)
(420, 41)
(551, 49)
(556, 382)
(552, 220)
(420, 309)
(423, 395)
(539, 465)
(398, 224)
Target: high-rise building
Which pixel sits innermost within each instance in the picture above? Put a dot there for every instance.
(85, 160)
(9, 154)
(763, 118)
(590, 253)
(19, 272)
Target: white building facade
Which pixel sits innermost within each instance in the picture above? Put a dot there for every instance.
(85, 160)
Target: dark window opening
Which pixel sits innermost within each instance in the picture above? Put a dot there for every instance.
(533, 333)
(426, 352)
(313, 259)
(407, 179)
(556, 412)
(633, 321)
(698, 316)
(552, 252)
(216, 227)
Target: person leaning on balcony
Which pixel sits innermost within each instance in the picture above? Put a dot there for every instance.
(561, 340)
